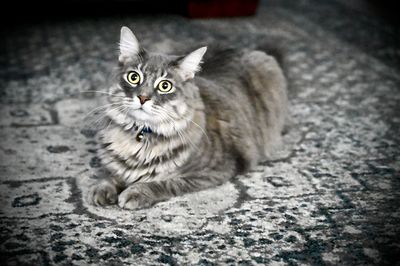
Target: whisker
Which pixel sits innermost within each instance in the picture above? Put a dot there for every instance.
(187, 119)
(182, 134)
(126, 114)
(103, 92)
(102, 107)
(122, 107)
(122, 110)
(200, 128)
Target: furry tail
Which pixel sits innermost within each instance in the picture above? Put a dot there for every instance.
(275, 46)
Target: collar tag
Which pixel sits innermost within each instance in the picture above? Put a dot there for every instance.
(140, 135)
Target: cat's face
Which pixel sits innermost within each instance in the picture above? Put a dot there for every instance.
(153, 89)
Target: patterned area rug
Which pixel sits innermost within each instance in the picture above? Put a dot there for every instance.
(331, 196)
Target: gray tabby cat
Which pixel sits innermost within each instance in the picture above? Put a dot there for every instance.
(172, 133)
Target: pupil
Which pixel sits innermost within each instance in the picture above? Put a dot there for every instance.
(165, 85)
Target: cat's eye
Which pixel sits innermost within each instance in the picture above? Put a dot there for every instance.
(133, 77)
(165, 86)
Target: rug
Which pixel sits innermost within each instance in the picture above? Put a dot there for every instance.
(329, 197)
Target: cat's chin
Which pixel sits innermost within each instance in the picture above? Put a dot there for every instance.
(142, 116)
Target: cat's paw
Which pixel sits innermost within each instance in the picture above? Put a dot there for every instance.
(103, 193)
(133, 198)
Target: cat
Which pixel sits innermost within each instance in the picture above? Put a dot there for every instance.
(174, 129)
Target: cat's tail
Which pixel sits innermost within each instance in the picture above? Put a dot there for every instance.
(275, 46)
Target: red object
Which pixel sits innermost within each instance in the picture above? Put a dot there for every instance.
(221, 8)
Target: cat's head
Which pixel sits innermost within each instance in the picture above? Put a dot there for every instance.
(153, 89)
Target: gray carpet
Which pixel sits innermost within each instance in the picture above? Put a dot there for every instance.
(331, 196)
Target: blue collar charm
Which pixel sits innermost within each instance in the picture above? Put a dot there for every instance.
(145, 130)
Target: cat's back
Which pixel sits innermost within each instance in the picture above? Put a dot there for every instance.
(221, 62)
(222, 79)
(245, 91)
(234, 71)
(233, 77)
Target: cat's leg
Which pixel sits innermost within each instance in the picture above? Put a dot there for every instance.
(104, 192)
(144, 195)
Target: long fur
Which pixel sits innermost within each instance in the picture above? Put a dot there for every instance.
(211, 128)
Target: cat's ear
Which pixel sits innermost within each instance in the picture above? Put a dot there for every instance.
(128, 45)
(190, 64)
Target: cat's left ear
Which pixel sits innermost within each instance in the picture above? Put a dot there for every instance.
(128, 45)
(190, 64)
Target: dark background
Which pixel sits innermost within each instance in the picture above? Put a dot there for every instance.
(20, 12)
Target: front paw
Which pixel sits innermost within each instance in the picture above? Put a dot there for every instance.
(134, 198)
(103, 193)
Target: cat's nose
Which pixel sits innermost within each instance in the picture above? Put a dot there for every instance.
(143, 99)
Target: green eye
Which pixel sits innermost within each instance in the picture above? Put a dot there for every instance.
(133, 77)
(164, 86)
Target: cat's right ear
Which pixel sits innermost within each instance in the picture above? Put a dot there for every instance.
(128, 45)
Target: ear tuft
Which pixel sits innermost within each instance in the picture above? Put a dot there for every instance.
(190, 64)
(128, 45)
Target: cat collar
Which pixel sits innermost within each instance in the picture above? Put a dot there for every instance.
(145, 130)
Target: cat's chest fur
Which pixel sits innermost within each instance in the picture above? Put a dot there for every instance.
(132, 160)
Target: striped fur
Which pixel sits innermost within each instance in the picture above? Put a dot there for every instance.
(212, 127)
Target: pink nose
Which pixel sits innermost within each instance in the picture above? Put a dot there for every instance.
(143, 99)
